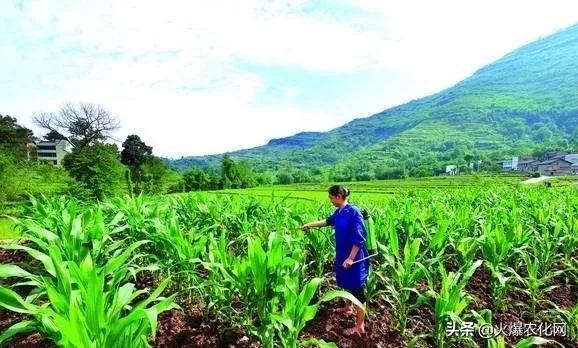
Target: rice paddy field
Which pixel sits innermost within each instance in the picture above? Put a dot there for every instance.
(232, 269)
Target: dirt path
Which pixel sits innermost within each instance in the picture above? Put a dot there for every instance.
(537, 180)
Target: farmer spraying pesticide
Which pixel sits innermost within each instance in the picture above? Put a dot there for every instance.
(351, 256)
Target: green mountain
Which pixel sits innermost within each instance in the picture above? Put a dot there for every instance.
(525, 102)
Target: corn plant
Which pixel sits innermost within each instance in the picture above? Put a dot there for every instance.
(402, 274)
(83, 304)
(570, 317)
(547, 245)
(536, 282)
(296, 308)
(500, 342)
(466, 248)
(497, 249)
(75, 232)
(451, 300)
(137, 212)
(257, 278)
(224, 274)
(319, 247)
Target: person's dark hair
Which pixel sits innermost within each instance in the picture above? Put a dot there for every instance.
(339, 190)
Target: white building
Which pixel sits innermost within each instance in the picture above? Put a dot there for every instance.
(53, 151)
(510, 164)
(451, 169)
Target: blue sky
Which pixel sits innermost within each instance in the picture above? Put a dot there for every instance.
(202, 77)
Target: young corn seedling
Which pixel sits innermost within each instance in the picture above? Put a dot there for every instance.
(570, 318)
(466, 248)
(496, 249)
(76, 233)
(536, 283)
(296, 308)
(319, 246)
(137, 213)
(547, 246)
(450, 301)
(225, 274)
(84, 304)
(500, 342)
(403, 272)
(257, 278)
(438, 241)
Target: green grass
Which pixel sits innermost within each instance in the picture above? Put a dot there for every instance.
(6, 231)
(376, 189)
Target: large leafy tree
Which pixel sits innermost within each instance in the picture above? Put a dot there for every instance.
(229, 172)
(135, 154)
(154, 175)
(195, 179)
(14, 137)
(99, 168)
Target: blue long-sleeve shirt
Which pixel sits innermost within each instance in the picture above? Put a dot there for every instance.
(349, 231)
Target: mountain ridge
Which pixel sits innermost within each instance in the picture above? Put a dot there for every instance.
(523, 101)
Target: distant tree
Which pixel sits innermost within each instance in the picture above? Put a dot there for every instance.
(266, 178)
(284, 178)
(54, 136)
(154, 175)
(196, 179)
(543, 134)
(229, 170)
(364, 176)
(99, 168)
(14, 137)
(300, 176)
(246, 176)
(135, 154)
(383, 173)
(81, 125)
(7, 170)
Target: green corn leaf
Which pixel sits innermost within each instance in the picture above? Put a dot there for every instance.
(40, 256)
(534, 341)
(13, 302)
(16, 329)
(11, 271)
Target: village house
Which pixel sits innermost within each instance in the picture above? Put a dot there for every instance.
(552, 163)
(555, 154)
(528, 165)
(573, 157)
(556, 166)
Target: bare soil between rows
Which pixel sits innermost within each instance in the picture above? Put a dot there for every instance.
(192, 327)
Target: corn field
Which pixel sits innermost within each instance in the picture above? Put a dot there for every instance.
(135, 272)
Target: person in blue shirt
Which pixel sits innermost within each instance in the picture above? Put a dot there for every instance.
(350, 236)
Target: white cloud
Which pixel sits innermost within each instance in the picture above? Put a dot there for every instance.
(171, 70)
(441, 42)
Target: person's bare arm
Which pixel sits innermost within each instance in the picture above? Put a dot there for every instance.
(310, 225)
(349, 261)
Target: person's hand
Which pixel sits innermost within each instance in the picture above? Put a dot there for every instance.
(347, 263)
(305, 227)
